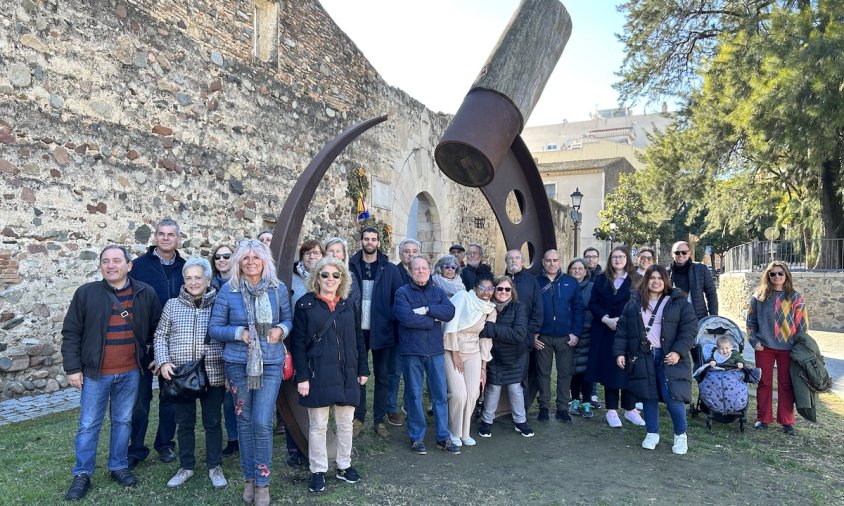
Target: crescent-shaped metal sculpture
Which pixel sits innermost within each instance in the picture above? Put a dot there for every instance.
(284, 247)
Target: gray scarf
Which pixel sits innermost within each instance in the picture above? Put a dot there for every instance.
(259, 317)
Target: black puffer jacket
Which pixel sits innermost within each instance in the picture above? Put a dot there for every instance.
(333, 363)
(581, 352)
(702, 285)
(508, 334)
(679, 328)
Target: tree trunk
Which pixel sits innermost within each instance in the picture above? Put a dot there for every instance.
(832, 215)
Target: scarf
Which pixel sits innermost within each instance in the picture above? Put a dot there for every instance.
(259, 317)
(468, 309)
(449, 286)
(499, 306)
(680, 276)
(300, 269)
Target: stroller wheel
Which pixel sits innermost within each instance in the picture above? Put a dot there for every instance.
(709, 424)
(742, 425)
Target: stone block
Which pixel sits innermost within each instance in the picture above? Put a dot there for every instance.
(12, 363)
(40, 349)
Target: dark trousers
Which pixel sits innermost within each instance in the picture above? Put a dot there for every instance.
(185, 411)
(140, 420)
(581, 390)
(384, 367)
(360, 409)
(611, 395)
(556, 348)
(531, 379)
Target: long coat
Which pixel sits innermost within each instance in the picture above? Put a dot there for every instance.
(607, 301)
(679, 328)
(508, 333)
(581, 352)
(333, 362)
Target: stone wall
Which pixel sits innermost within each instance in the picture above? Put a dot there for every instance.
(116, 114)
(823, 292)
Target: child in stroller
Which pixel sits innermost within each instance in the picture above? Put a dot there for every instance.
(722, 387)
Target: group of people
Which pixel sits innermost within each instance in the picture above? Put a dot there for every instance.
(455, 327)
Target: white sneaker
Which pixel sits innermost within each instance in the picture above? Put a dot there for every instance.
(633, 416)
(613, 419)
(217, 478)
(639, 405)
(651, 440)
(456, 440)
(469, 441)
(681, 444)
(182, 475)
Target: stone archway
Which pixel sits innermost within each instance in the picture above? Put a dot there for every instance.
(423, 224)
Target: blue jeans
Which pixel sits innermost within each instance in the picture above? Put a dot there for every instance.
(166, 433)
(676, 409)
(415, 366)
(255, 410)
(120, 390)
(395, 378)
(228, 414)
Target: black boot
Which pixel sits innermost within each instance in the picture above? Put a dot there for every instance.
(231, 448)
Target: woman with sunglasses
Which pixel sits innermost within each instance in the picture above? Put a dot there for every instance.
(509, 356)
(466, 356)
(777, 313)
(221, 267)
(251, 316)
(610, 294)
(447, 275)
(331, 364)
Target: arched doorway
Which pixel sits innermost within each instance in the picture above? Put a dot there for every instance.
(423, 224)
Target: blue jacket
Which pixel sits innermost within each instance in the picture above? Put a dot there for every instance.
(562, 306)
(228, 319)
(382, 333)
(167, 280)
(421, 334)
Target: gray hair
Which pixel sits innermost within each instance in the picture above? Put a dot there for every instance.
(201, 262)
(409, 241)
(480, 248)
(167, 222)
(420, 257)
(445, 260)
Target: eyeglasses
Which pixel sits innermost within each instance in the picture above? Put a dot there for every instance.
(591, 256)
(315, 253)
(250, 242)
(450, 266)
(324, 274)
(503, 289)
(619, 257)
(218, 256)
(646, 257)
(473, 254)
(681, 253)
(774, 274)
(486, 288)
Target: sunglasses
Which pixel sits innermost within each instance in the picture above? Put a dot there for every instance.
(219, 256)
(450, 266)
(681, 253)
(250, 242)
(486, 288)
(335, 275)
(776, 274)
(503, 289)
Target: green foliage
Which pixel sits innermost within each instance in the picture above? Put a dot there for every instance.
(761, 125)
(357, 185)
(625, 207)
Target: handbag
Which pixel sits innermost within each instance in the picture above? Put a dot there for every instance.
(287, 367)
(189, 381)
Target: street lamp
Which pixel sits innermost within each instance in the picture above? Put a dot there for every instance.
(576, 200)
(613, 226)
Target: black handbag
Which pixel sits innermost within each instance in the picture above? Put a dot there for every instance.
(187, 382)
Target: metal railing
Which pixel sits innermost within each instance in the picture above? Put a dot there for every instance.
(817, 255)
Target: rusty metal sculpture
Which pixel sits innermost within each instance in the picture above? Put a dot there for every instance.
(481, 148)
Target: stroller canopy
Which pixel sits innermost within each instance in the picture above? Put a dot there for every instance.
(711, 328)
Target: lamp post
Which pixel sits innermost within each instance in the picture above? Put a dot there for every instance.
(576, 200)
(613, 227)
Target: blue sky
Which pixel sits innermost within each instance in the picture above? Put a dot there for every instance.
(433, 50)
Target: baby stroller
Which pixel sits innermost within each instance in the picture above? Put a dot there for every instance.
(722, 392)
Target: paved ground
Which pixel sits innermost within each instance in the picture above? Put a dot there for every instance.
(26, 408)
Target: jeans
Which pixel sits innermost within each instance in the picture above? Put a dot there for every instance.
(765, 393)
(415, 366)
(555, 348)
(255, 410)
(677, 409)
(186, 424)
(382, 365)
(120, 390)
(230, 418)
(360, 409)
(516, 395)
(395, 378)
(140, 420)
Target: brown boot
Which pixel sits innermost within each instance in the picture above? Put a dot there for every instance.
(262, 496)
(249, 491)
